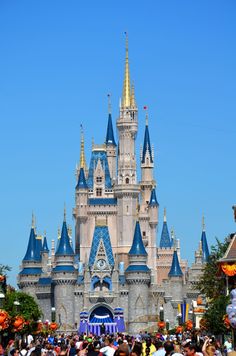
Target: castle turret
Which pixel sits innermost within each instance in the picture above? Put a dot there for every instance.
(31, 264)
(45, 254)
(138, 279)
(111, 145)
(81, 200)
(205, 249)
(126, 190)
(64, 278)
(165, 241)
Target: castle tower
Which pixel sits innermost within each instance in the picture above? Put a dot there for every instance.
(111, 145)
(31, 268)
(153, 221)
(205, 249)
(64, 278)
(138, 279)
(127, 189)
(80, 210)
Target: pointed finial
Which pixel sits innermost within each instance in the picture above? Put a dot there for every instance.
(109, 103)
(58, 233)
(44, 233)
(146, 117)
(126, 87)
(92, 143)
(64, 212)
(203, 223)
(82, 154)
(33, 221)
(164, 214)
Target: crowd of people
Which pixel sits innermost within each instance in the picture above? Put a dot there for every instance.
(117, 345)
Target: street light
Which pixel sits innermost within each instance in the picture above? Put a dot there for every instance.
(2, 299)
(17, 305)
(161, 313)
(167, 324)
(179, 317)
(53, 310)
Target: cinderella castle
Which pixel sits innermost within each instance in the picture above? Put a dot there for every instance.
(117, 272)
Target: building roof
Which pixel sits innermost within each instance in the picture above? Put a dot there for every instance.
(102, 201)
(147, 145)
(64, 268)
(101, 233)
(205, 250)
(165, 241)
(45, 281)
(137, 268)
(32, 252)
(45, 245)
(175, 270)
(110, 134)
(99, 155)
(64, 246)
(81, 180)
(31, 270)
(137, 247)
(230, 254)
(153, 198)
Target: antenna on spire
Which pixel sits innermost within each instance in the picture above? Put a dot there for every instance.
(33, 221)
(64, 212)
(146, 117)
(164, 214)
(126, 87)
(203, 223)
(109, 103)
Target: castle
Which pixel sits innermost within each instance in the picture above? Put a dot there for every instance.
(116, 273)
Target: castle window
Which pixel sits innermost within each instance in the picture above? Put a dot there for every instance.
(99, 192)
(144, 233)
(99, 179)
(127, 180)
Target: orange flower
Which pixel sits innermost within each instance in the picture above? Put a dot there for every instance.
(18, 323)
(161, 324)
(53, 326)
(179, 329)
(229, 269)
(2, 278)
(189, 324)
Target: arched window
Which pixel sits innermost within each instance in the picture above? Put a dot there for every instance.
(127, 180)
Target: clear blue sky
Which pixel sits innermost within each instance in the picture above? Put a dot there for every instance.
(58, 61)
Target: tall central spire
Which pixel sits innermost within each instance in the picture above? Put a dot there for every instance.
(126, 100)
(82, 154)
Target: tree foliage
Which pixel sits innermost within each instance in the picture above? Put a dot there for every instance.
(212, 285)
(28, 308)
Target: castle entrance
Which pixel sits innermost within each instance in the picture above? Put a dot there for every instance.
(101, 321)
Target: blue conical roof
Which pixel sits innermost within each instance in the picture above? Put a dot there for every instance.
(38, 246)
(146, 145)
(137, 246)
(31, 253)
(110, 134)
(153, 198)
(175, 270)
(45, 245)
(205, 249)
(165, 241)
(64, 247)
(81, 180)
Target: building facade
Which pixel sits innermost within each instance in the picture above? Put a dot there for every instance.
(115, 272)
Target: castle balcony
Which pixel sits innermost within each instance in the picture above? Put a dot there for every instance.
(101, 297)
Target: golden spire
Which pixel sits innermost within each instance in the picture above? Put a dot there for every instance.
(58, 233)
(133, 102)
(109, 103)
(203, 223)
(164, 214)
(126, 87)
(82, 155)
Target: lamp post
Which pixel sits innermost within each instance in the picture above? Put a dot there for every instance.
(53, 314)
(179, 317)
(167, 325)
(2, 299)
(17, 306)
(161, 313)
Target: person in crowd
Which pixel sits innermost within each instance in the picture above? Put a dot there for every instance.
(108, 350)
(190, 349)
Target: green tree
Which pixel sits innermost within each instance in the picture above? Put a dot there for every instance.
(27, 308)
(212, 285)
